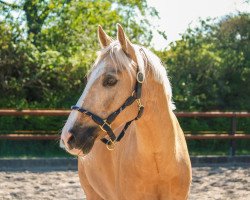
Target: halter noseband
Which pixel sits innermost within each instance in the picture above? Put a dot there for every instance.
(105, 124)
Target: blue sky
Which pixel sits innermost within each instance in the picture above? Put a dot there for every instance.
(177, 15)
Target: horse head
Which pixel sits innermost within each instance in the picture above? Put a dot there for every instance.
(111, 81)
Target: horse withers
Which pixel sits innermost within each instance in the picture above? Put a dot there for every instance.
(129, 143)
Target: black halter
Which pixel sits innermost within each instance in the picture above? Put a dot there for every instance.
(105, 124)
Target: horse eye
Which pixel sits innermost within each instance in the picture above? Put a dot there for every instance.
(109, 81)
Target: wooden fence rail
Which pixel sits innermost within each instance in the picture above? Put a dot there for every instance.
(12, 112)
(51, 135)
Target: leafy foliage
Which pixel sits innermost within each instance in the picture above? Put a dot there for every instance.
(48, 46)
(210, 65)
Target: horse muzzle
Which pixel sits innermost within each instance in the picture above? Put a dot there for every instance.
(80, 140)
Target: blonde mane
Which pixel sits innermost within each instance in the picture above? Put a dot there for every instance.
(147, 61)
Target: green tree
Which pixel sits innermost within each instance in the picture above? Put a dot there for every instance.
(210, 65)
(233, 46)
(51, 44)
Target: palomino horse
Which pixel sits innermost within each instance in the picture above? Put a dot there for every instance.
(146, 156)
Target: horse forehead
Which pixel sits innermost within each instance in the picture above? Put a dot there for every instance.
(94, 75)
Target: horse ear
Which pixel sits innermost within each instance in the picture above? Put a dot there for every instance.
(104, 39)
(126, 45)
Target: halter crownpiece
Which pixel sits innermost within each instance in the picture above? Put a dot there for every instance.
(105, 124)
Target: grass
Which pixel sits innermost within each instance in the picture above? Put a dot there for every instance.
(217, 147)
(52, 149)
(31, 149)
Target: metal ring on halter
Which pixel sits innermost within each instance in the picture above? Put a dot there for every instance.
(110, 146)
(140, 77)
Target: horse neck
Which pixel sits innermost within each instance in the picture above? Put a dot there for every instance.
(158, 126)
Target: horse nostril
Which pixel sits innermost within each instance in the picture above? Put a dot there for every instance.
(71, 141)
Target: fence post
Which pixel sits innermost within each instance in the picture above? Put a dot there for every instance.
(232, 149)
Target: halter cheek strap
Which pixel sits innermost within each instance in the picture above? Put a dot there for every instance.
(105, 124)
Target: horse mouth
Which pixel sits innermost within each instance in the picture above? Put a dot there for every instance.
(83, 140)
(88, 145)
(77, 151)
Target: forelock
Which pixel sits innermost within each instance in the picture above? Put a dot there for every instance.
(117, 56)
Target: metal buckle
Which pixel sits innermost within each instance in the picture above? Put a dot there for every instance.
(140, 77)
(133, 93)
(139, 103)
(105, 122)
(110, 146)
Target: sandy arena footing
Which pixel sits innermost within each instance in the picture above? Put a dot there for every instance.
(211, 182)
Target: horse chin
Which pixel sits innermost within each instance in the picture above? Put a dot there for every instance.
(79, 152)
(87, 148)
